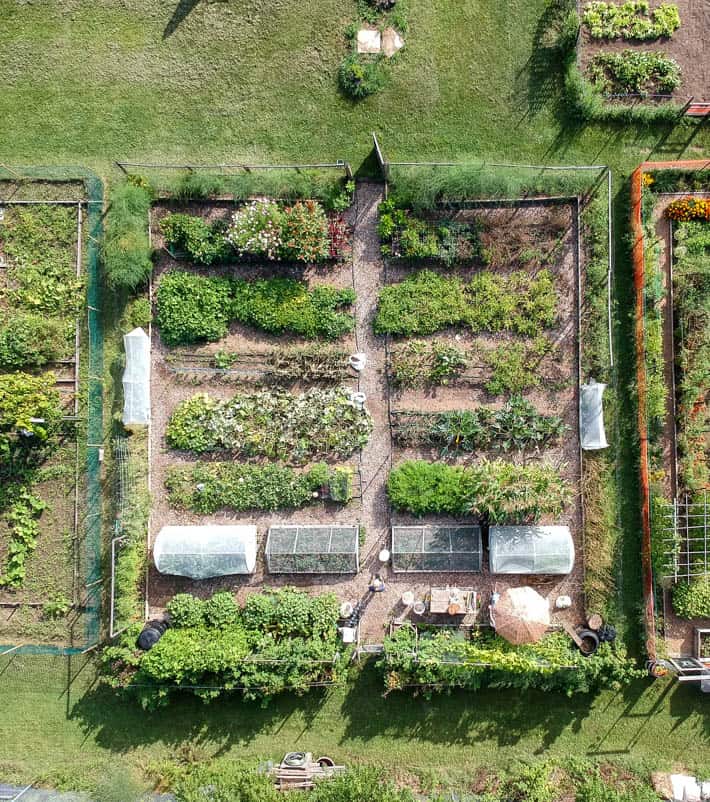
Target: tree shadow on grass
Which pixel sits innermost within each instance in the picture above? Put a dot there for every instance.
(183, 9)
(461, 718)
(118, 723)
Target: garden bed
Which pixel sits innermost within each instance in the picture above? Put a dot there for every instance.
(42, 307)
(687, 46)
(676, 403)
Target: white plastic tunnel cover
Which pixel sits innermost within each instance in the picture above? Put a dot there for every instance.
(591, 416)
(531, 550)
(136, 378)
(202, 552)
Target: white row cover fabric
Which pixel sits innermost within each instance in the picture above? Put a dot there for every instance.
(136, 378)
(294, 549)
(202, 552)
(531, 550)
(591, 416)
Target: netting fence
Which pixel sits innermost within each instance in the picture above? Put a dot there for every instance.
(76, 185)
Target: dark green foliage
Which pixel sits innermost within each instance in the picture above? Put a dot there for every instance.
(203, 242)
(427, 302)
(126, 248)
(186, 610)
(221, 611)
(192, 308)
(208, 487)
(516, 426)
(692, 599)
(280, 641)
(282, 305)
(29, 340)
(360, 76)
(498, 491)
(439, 660)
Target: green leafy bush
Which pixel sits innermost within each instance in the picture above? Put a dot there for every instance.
(498, 491)
(192, 308)
(203, 242)
(22, 521)
(630, 20)
(282, 305)
(427, 302)
(274, 424)
(360, 76)
(305, 233)
(126, 248)
(516, 426)
(515, 367)
(31, 340)
(221, 611)
(279, 641)
(28, 404)
(692, 599)
(206, 488)
(186, 610)
(440, 660)
(635, 72)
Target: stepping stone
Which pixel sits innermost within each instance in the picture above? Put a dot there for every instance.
(391, 42)
(369, 41)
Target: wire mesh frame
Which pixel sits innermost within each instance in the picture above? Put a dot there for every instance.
(92, 202)
(685, 530)
(295, 555)
(437, 559)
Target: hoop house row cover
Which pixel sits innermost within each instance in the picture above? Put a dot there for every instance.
(203, 552)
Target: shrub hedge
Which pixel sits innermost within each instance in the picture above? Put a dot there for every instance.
(692, 599)
(29, 340)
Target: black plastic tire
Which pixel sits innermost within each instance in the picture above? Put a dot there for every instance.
(588, 636)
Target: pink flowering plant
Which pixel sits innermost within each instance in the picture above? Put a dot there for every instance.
(257, 229)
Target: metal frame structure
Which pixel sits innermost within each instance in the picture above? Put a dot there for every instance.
(448, 555)
(686, 538)
(314, 554)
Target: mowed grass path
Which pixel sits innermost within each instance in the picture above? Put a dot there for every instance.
(205, 81)
(58, 726)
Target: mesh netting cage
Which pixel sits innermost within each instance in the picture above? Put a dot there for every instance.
(136, 378)
(313, 550)
(203, 552)
(591, 416)
(436, 548)
(531, 550)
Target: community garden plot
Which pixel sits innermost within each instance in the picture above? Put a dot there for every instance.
(642, 53)
(677, 237)
(249, 360)
(43, 281)
(456, 392)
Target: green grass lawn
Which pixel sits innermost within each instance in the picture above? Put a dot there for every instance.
(256, 80)
(58, 726)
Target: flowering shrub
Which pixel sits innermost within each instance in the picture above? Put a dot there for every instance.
(305, 233)
(687, 209)
(257, 229)
(630, 20)
(293, 428)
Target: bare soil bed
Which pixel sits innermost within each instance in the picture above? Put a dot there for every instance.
(689, 46)
(367, 273)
